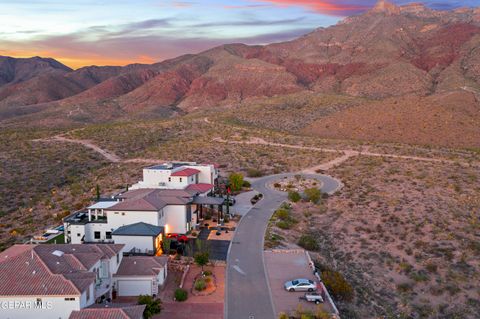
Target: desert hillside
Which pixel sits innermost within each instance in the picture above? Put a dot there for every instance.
(415, 72)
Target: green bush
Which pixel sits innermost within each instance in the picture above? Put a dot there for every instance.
(337, 285)
(200, 285)
(308, 242)
(247, 184)
(313, 195)
(284, 224)
(236, 181)
(283, 315)
(282, 214)
(207, 272)
(181, 294)
(153, 306)
(294, 196)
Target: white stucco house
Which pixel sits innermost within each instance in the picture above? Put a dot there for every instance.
(52, 281)
(178, 175)
(170, 196)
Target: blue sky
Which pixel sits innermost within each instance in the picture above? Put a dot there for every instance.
(86, 32)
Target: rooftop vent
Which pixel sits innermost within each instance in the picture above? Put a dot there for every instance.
(58, 253)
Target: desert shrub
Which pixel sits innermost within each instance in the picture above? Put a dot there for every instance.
(253, 172)
(431, 267)
(277, 185)
(236, 181)
(419, 276)
(313, 195)
(294, 196)
(337, 285)
(282, 214)
(207, 272)
(321, 313)
(153, 306)
(284, 224)
(283, 315)
(246, 184)
(404, 287)
(181, 294)
(308, 242)
(200, 285)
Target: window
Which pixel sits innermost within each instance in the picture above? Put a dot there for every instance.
(78, 234)
(108, 235)
(169, 179)
(69, 299)
(96, 235)
(118, 258)
(123, 214)
(180, 179)
(116, 213)
(88, 293)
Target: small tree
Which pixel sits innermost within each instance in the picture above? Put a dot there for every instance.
(313, 195)
(153, 306)
(166, 245)
(236, 181)
(201, 259)
(294, 196)
(97, 192)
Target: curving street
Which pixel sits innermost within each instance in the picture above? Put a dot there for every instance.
(247, 293)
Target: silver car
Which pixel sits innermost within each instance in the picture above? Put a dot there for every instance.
(300, 285)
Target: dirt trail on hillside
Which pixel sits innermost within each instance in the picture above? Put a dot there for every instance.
(110, 156)
(346, 154)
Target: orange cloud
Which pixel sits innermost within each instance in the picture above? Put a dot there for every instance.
(335, 8)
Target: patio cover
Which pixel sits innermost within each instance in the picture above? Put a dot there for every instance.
(208, 200)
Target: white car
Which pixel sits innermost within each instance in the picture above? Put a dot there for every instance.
(300, 285)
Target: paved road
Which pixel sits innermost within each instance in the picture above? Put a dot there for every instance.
(247, 290)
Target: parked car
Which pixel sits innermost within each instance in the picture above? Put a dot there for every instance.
(181, 238)
(300, 285)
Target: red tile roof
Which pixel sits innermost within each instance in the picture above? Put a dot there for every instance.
(186, 172)
(33, 270)
(151, 199)
(130, 312)
(201, 187)
(141, 266)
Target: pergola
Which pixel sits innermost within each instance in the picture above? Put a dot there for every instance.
(201, 201)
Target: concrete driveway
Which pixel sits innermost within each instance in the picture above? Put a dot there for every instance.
(247, 290)
(243, 204)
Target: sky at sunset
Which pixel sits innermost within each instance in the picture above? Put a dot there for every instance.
(86, 32)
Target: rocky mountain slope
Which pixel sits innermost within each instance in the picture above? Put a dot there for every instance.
(390, 51)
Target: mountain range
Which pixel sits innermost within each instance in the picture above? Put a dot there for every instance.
(409, 52)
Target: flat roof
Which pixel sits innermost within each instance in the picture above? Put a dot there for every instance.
(103, 204)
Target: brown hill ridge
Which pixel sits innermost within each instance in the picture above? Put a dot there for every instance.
(390, 51)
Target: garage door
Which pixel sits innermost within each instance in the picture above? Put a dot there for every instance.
(134, 287)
